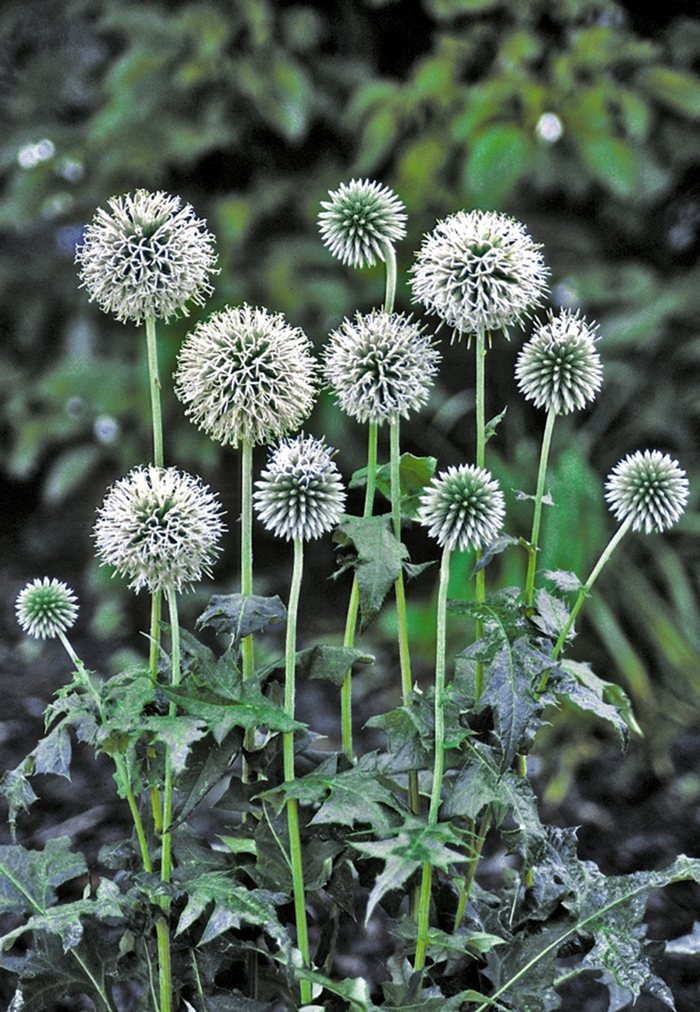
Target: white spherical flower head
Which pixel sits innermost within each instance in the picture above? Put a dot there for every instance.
(360, 220)
(649, 487)
(159, 528)
(463, 507)
(44, 608)
(148, 256)
(379, 366)
(246, 375)
(559, 368)
(300, 494)
(479, 271)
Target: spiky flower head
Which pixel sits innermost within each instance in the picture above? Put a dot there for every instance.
(148, 256)
(46, 608)
(379, 366)
(246, 375)
(300, 495)
(559, 368)
(463, 507)
(650, 487)
(360, 220)
(159, 528)
(479, 271)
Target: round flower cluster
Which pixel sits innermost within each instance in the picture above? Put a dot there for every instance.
(651, 488)
(45, 608)
(300, 494)
(246, 375)
(463, 507)
(147, 258)
(360, 220)
(159, 528)
(380, 365)
(559, 368)
(479, 271)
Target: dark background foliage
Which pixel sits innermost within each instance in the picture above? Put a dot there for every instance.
(252, 110)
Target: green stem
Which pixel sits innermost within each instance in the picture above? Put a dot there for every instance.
(439, 757)
(585, 589)
(480, 458)
(354, 602)
(537, 515)
(391, 274)
(154, 386)
(289, 773)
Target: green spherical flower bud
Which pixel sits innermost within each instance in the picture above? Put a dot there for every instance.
(650, 487)
(246, 375)
(479, 271)
(360, 220)
(46, 607)
(159, 528)
(379, 366)
(559, 368)
(462, 507)
(300, 494)
(149, 257)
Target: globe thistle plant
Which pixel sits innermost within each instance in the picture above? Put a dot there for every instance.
(462, 507)
(159, 528)
(246, 376)
(300, 495)
(147, 257)
(559, 368)
(46, 608)
(648, 490)
(379, 366)
(479, 272)
(360, 221)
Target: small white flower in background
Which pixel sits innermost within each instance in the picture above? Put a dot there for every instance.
(462, 507)
(147, 257)
(559, 368)
(650, 487)
(359, 220)
(159, 528)
(46, 607)
(479, 271)
(246, 375)
(380, 365)
(300, 494)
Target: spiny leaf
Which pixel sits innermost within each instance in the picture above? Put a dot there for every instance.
(66, 920)
(330, 663)
(29, 878)
(53, 753)
(207, 764)
(17, 790)
(414, 474)
(563, 580)
(482, 782)
(379, 559)
(241, 615)
(178, 732)
(610, 701)
(551, 615)
(414, 845)
(233, 906)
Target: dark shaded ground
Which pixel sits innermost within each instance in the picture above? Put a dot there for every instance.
(636, 811)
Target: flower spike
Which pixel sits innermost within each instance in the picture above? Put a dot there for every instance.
(479, 271)
(463, 507)
(300, 495)
(380, 365)
(160, 528)
(359, 220)
(650, 488)
(559, 368)
(45, 608)
(246, 375)
(147, 258)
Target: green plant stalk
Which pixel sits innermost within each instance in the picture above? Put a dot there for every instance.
(247, 545)
(439, 758)
(402, 621)
(480, 458)
(391, 275)
(537, 515)
(585, 590)
(297, 868)
(354, 602)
